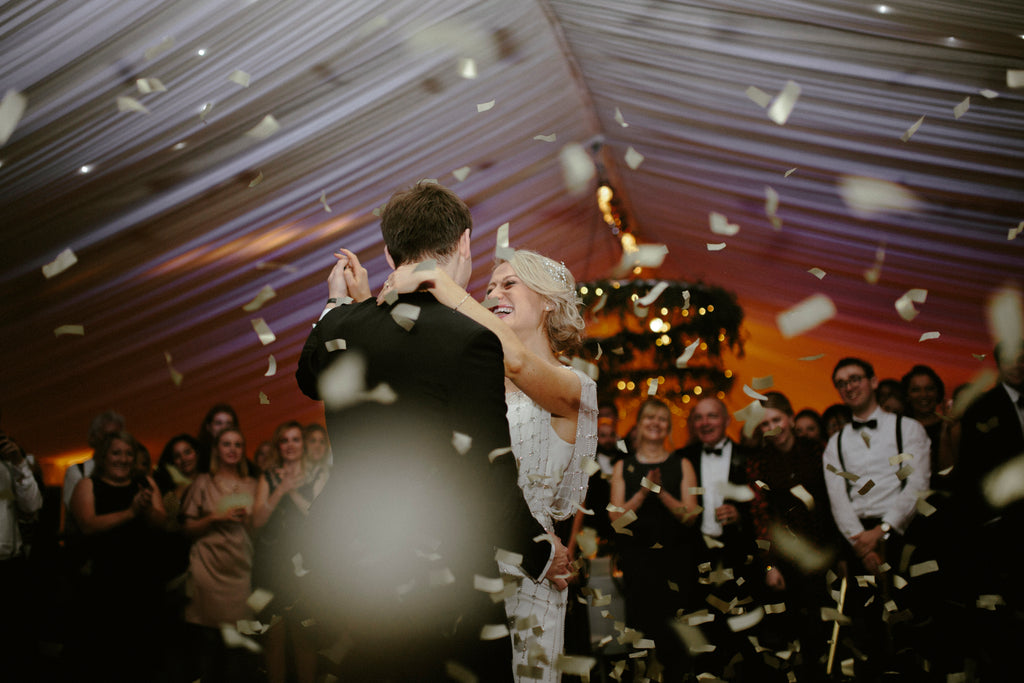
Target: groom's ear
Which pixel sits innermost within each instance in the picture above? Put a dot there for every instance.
(465, 248)
(387, 257)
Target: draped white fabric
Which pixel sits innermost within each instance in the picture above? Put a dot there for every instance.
(173, 235)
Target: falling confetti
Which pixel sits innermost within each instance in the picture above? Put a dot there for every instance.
(546, 138)
(176, 376)
(716, 246)
(323, 200)
(905, 304)
(783, 104)
(806, 315)
(264, 129)
(502, 251)
(634, 158)
(12, 107)
(131, 104)
(577, 168)
(961, 109)
(619, 119)
(461, 173)
(817, 272)
(687, 354)
(720, 225)
(240, 77)
(271, 366)
(929, 335)
(485, 106)
(77, 330)
(760, 97)
(165, 45)
(64, 260)
(913, 129)
(263, 331)
(405, 315)
(264, 295)
(149, 85)
(264, 400)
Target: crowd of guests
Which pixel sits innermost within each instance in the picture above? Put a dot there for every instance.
(861, 542)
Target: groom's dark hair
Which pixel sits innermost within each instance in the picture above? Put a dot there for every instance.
(424, 221)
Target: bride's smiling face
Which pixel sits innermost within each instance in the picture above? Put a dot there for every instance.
(518, 306)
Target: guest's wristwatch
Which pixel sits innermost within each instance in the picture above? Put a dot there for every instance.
(886, 530)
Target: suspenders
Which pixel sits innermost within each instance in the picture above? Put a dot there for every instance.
(899, 449)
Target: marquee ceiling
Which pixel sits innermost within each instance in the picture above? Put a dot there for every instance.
(178, 217)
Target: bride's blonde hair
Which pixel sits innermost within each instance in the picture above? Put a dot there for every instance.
(553, 281)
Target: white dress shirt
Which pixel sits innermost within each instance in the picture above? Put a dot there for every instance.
(1014, 397)
(887, 499)
(714, 474)
(18, 493)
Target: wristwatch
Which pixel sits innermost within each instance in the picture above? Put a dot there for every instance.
(886, 530)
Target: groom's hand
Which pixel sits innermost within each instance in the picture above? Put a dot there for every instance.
(559, 570)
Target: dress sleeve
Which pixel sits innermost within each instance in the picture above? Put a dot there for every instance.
(572, 489)
(194, 503)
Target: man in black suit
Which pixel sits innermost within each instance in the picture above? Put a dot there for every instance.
(986, 554)
(423, 491)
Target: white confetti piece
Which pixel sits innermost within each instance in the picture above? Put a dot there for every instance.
(620, 119)
(687, 354)
(12, 107)
(235, 640)
(263, 331)
(165, 45)
(405, 315)
(782, 106)
(806, 315)
(467, 68)
(487, 584)
(149, 85)
(176, 376)
(131, 104)
(873, 273)
(961, 109)
(988, 94)
(1015, 232)
(789, 172)
(1005, 484)
(653, 295)
(271, 366)
(634, 158)
(462, 442)
(650, 485)
(753, 394)
(323, 200)
(759, 97)
(818, 356)
(905, 304)
(335, 345)
(462, 173)
(1015, 78)
(817, 272)
(717, 246)
(913, 129)
(575, 665)
(744, 621)
(264, 399)
(546, 138)
(577, 168)
(720, 225)
(205, 110)
(297, 564)
(265, 128)
(64, 260)
(257, 180)
(620, 524)
(502, 252)
(777, 608)
(804, 495)
(741, 493)
(761, 383)
(929, 335)
(77, 330)
(485, 106)
(259, 599)
(1005, 315)
(240, 77)
(645, 256)
(262, 297)
(868, 197)
(923, 568)
(771, 207)
(652, 386)
(493, 631)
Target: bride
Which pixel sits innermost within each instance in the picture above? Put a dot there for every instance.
(552, 414)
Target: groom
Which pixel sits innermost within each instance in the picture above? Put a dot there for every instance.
(423, 490)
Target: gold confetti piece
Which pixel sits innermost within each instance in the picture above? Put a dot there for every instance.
(176, 376)
(872, 274)
(323, 200)
(405, 315)
(929, 335)
(832, 614)
(913, 129)
(986, 427)
(782, 106)
(131, 104)
(1015, 78)
(990, 602)
(905, 304)
(577, 168)
(461, 173)
(264, 399)
(546, 138)
(653, 295)
(741, 493)
(652, 386)
(1011, 235)
(620, 524)
(720, 225)
(634, 158)
(806, 315)
(257, 180)
(745, 621)
(160, 48)
(297, 564)
(868, 485)
(810, 358)
(771, 207)
(761, 383)
(462, 442)
(493, 631)
(467, 68)
(759, 97)
(77, 330)
(458, 673)
(988, 94)
(336, 345)
(502, 251)
(645, 256)
(961, 109)
(866, 437)
(777, 608)
(717, 246)
(925, 508)
(644, 644)
(259, 599)
(148, 85)
(264, 295)
(648, 484)
(508, 557)
(271, 366)
(897, 459)
(817, 272)
(899, 582)
(234, 639)
(638, 310)
(265, 128)
(751, 415)
(576, 665)
(205, 110)
(1005, 484)
(263, 331)
(619, 119)
(240, 77)
(687, 354)
(485, 106)
(923, 568)
(64, 260)
(12, 107)
(753, 394)
(1005, 314)
(250, 628)
(789, 172)
(804, 495)
(869, 197)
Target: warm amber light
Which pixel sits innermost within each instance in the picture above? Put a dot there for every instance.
(697, 391)
(655, 325)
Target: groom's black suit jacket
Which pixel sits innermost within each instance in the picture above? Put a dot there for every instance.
(406, 520)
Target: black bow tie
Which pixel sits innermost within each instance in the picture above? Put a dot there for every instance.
(712, 451)
(870, 424)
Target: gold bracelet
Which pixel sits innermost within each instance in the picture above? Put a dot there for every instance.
(461, 302)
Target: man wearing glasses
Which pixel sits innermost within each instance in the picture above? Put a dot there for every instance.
(875, 467)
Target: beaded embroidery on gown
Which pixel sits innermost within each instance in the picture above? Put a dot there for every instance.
(554, 483)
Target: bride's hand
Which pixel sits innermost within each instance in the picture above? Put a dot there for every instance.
(357, 281)
(409, 278)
